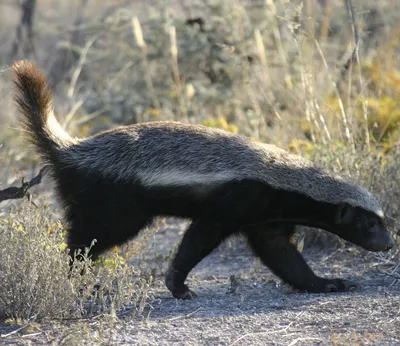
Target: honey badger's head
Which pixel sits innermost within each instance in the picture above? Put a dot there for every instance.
(362, 227)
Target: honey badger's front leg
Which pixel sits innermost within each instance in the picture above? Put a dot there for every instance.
(202, 237)
(220, 215)
(272, 245)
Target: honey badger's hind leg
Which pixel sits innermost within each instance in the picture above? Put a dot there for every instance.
(107, 233)
(272, 245)
(101, 209)
(201, 238)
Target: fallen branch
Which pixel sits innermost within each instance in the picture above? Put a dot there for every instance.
(14, 192)
(15, 331)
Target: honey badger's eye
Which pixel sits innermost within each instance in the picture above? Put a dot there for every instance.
(371, 223)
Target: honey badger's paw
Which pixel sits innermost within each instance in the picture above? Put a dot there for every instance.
(340, 285)
(174, 282)
(184, 294)
(330, 285)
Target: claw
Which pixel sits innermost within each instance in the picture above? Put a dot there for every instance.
(189, 294)
(340, 285)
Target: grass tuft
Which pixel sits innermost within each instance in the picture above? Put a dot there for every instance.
(36, 280)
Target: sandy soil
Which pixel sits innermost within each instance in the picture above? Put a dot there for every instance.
(241, 303)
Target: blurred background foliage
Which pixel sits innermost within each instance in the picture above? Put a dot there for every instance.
(273, 70)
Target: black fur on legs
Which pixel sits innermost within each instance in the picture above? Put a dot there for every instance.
(97, 209)
(267, 217)
(112, 213)
(272, 244)
(202, 237)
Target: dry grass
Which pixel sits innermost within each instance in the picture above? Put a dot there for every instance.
(36, 280)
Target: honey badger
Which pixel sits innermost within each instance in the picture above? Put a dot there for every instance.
(113, 184)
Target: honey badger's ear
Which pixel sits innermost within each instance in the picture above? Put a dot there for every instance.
(344, 213)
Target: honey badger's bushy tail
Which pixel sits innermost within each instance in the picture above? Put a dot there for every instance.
(34, 99)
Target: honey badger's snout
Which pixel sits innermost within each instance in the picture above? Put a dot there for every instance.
(389, 244)
(377, 238)
(363, 228)
(381, 242)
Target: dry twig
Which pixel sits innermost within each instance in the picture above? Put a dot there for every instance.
(263, 333)
(14, 192)
(356, 36)
(184, 316)
(15, 331)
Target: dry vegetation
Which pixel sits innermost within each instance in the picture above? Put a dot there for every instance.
(278, 71)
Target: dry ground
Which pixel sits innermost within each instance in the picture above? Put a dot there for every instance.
(252, 308)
